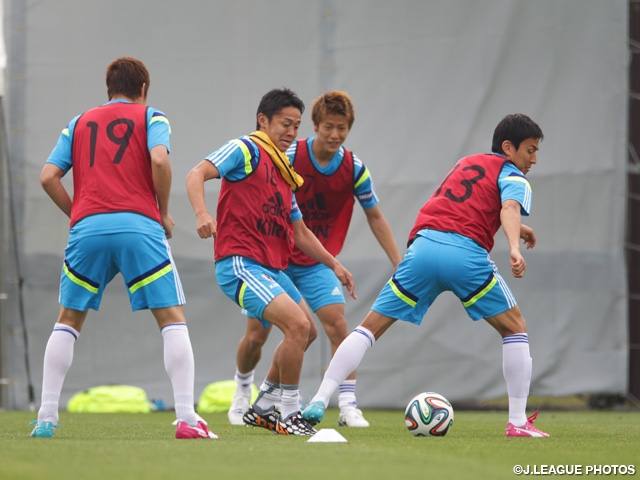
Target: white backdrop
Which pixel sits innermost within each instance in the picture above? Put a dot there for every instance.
(430, 80)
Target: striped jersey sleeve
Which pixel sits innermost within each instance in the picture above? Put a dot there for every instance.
(515, 186)
(61, 153)
(158, 129)
(291, 151)
(236, 159)
(363, 187)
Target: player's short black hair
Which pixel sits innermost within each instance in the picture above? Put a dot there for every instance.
(275, 100)
(515, 128)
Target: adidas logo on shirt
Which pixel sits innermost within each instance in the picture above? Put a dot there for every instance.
(336, 291)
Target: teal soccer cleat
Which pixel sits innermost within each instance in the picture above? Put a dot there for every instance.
(44, 429)
(313, 413)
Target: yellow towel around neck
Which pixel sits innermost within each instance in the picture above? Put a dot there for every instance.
(280, 160)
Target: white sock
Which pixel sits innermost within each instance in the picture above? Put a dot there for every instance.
(346, 360)
(290, 400)
(180, 366)
(347, 396)
(243, 382)
(58, 356)
(516, 367)
(270, 393)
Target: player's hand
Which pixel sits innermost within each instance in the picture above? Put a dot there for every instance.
(168, 224)
(206, 226)
(518, 265)
(346, 279)
(528, 235)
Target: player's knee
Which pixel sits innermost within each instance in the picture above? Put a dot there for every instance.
(510, 322)
(256, 340)
(313, 334)
(336, 331)
(517, 326)
(298, 327)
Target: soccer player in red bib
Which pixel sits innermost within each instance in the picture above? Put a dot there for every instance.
(334, 177)
(120, 223)
(258, 223)
(448, 250)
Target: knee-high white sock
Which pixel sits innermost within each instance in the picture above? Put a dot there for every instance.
(346, 359)
(516, 367)
(58, 356)
(180, 366)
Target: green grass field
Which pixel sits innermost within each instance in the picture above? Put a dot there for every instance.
(142, 446)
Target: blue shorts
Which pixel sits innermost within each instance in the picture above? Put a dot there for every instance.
(252, 285)
(437, 262)
(143, 257)
(318, 285)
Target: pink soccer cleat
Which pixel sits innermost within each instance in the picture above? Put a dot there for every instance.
(186, 431)
(527, 430)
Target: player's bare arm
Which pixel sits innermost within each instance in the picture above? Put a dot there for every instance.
(206, 225)
(511, 219)
(306, 241)
(382, 231)
(51, 181)
(162, 177)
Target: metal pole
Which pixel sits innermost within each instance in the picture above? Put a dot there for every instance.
(13, 146)
(633, 202)
(3, 265)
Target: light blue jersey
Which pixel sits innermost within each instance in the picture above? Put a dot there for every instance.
(515, 186)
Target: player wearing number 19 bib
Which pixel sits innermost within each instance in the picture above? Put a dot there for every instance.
(448, 250)
(120, 222)
(108, 148)
(117, 176)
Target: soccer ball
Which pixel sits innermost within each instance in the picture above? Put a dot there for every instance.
(429, 414)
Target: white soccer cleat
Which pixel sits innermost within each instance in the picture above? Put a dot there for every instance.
(352, 417)
(239, 407)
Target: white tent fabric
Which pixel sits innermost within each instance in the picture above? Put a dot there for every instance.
(430, 80)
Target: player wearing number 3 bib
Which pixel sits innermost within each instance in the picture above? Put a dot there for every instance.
(120, 223)
(448, 250)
